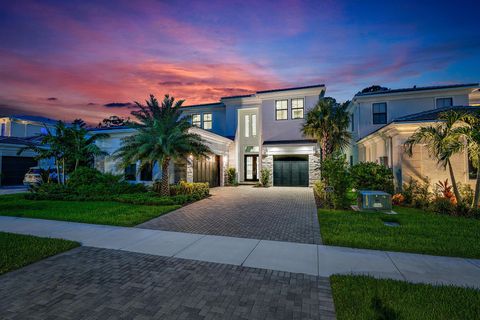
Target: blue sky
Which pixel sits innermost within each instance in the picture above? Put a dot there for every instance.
(68, 59)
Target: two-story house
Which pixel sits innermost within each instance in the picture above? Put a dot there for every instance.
(15, 133)
(383, 120)
(248, 133)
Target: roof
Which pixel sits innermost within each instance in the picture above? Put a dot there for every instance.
(109, 128)
(275, 90)
(432, 115)
(289, 142)
(33, 118)
(415, 88)
(20, 140)
(211, 104)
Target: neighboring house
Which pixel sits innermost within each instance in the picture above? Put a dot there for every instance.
(382, 121)
(15, 133)
(248, 132)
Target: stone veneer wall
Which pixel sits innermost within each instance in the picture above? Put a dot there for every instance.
(267, 162)
(313, 168)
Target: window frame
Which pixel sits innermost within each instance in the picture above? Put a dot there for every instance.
(283, 109)
(207, 121)
(127, 173)
(253, 124)
(379, 113)
(352, 122)
(246, 125)
(443, 99)
(199, 122)
(297, 108)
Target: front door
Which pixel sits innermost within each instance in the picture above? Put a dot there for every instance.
(251, 168)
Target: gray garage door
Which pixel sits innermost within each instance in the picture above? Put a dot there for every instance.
(290, 171)
(14, 169)
(207, 170)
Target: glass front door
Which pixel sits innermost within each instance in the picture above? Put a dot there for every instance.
(251, 168)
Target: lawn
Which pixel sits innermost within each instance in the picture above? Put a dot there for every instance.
(362, 297)
(18, 250)
(418, 232)
(97, 212)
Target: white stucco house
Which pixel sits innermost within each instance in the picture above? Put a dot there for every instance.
(248, 132)
(382, 121)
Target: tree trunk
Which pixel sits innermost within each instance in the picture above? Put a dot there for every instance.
(454, 182)
(58, 170)
(477, 190)
(63, 171)
(76, 164)
(165, 186)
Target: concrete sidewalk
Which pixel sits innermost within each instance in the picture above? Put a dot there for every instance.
(318, 260)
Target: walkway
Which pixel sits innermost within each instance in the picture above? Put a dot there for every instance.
(276, 213)
(317, 260)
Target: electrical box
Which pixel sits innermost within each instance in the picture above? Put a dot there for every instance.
(369, 200)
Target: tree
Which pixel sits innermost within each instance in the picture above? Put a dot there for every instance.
(114, 121)
(471, 132)
(442, 141)
(374, 88)
(162, 135)
(80, 144)
(328, 122)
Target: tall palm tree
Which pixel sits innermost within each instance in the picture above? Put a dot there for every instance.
(328, 123)
(81, 144)
(162, 135)
(442, 141)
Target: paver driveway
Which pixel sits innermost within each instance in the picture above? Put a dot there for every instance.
(276, 213)
(88, 283)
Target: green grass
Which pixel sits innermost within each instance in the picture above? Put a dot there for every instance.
(18, 250)
(361, 297)
(419, 232)
(97, 212)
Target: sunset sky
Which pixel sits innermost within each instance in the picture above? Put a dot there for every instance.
(91, 59)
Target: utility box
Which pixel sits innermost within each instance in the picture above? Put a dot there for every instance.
(369, 200)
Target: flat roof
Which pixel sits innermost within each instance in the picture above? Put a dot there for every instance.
(415, 88)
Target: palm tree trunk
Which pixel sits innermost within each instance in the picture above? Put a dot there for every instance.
(58, 170)
(477, 190)
(76, 164)
(63, 171)
(165, 187)
(454, 182)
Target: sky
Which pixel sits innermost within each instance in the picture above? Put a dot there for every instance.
(92, 59)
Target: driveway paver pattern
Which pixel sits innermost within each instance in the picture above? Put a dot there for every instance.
(91, 283)
(276, 213)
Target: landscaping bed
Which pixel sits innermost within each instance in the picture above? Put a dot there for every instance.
(418, 232)
(362, 297)
(18, 250)
(97, 212)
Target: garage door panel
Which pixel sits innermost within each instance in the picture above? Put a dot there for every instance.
(290, 172)
(207, 170)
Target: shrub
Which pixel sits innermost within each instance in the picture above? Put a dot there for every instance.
(417, 193)
(466, 192)
(372, 176)
(323, 198)
(336, 175)
(442, 205)
(198, 190)
(232, 176)
(265, 177)
(398, 199)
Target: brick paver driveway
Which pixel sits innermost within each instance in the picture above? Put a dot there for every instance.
(276, 213)
(88, 283)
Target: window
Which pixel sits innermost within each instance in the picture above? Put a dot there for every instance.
(3, 130)
(384, 161)
(254, 125)
(196, 120)
(351, 161)
(281, 110)
(252, 149)
(444, 102)
(207, 121)
(130, 173)
(297, 108)
(352, 122)
(146, 173)
(247, 126)
(379, 113)
(43, 131)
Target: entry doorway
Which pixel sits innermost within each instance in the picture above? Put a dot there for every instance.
(251, 168)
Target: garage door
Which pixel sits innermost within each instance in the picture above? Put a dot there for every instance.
(207, 170)
(290, 171)
(14, 169)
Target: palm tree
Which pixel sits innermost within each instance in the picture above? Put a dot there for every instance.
(442, 141)
(162, 135)
(81, 145)
(471, 132)
(328, 122)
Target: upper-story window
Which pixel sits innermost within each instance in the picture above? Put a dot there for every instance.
(444, 102)
(207, 121)
(379, 113)
(352, 122)
(196, 120)
(281, 110)
(247, 125)
(297, 108)
(254, 125)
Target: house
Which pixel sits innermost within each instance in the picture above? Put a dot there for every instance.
(383, 120)
(248, 132)
(17, 132)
